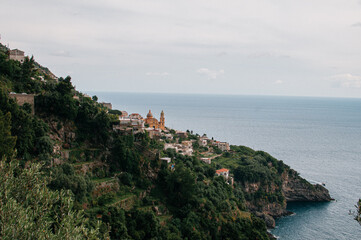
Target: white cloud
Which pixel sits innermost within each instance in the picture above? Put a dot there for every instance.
(278, 82)
(157, 74)
(211, 74)
(347, 80)
(358, 24)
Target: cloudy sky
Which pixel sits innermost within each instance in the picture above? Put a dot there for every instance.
(272, 47)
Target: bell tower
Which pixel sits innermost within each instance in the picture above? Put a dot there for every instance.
(162, 121)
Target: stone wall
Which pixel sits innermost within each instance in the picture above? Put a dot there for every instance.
(22, 98)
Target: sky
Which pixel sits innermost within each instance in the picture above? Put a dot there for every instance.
(258, 47)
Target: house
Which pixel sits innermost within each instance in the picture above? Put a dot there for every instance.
(153, 133)
(135, 116)
(167, 159)
(203, 142)
(181, 134)
(168, 136)
(187, 144)
(223, 172)
(124, 114)
(206, 160)
(224, 146)
(137, 125)
(107, 105)
(186, 151)
(17, 55)
(179, 148)
(170, 146)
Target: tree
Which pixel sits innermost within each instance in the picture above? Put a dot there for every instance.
(7, 142)
(181, 186)
(30, 210)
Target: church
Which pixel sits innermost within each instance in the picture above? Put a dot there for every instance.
(153, 123)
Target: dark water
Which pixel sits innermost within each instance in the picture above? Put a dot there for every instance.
(318, 137)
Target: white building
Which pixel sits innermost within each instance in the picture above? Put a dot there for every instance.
(206, 160)
(203, 142)
(167, 159)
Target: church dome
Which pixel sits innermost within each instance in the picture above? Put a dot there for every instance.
(149, 115)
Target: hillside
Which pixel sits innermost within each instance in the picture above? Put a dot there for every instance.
(126, 182)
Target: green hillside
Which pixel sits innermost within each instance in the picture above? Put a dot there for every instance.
(68, 159)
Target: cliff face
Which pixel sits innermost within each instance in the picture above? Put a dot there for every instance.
(297, 189)
(293, 188)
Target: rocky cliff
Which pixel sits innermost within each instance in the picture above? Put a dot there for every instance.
(294, 189)
(297, 189)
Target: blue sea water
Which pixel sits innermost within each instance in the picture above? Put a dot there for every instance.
(318, 137)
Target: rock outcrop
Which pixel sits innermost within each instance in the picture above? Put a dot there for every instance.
(294, 189)
(297, 189)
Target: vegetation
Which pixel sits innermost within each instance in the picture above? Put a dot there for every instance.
(30, 210)
(71, 175)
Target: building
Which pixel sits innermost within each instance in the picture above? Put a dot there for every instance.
(181, 134)
(17, 55)
(179, 148)
(153, 122)
(206, 160)
(224, 146)
(223, 172)
(135, 116)
(170, 146)
(124, 114)
(107, 105)
(153, 133)
(203, 142)
(22, 98)
(167, 159)
(187, 144)
(137, 125)
(186, 151)
(168, 136)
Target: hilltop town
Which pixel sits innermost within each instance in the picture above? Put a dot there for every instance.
(130, 176)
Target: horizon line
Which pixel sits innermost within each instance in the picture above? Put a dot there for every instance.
(222, 94)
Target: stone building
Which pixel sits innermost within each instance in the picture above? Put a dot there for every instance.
(107, 105)
(22, 98)
(154, 123)
(181, 134)
(17, 55)
(224, 146)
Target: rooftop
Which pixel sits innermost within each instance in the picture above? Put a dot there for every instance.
(222, 170)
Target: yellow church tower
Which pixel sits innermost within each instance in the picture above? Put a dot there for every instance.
(162, 121)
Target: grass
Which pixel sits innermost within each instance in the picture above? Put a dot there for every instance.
(101, 180)
(231, 162)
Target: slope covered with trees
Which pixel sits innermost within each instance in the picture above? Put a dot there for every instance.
(65, 169)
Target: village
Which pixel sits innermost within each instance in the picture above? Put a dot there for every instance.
(181, 142)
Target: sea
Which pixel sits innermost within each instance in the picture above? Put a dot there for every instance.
(318, 137)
